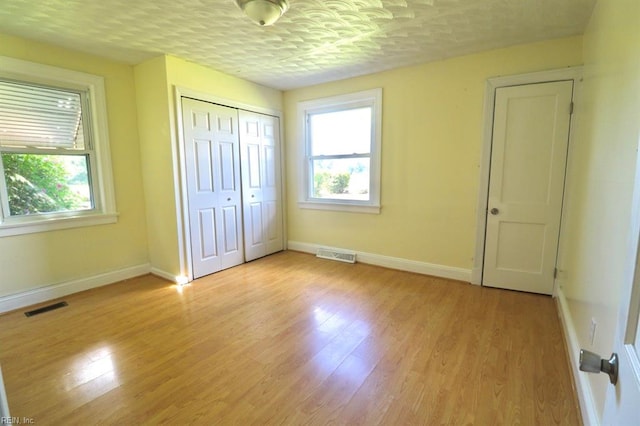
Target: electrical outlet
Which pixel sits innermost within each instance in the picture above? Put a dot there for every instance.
(592, 331)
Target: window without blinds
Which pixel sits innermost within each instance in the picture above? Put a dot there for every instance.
(340, 145)
(341, 156)
(46, 159)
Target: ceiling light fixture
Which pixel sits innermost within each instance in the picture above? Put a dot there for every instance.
(263, 12)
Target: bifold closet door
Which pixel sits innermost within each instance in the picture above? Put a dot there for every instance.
(212, 170)
(261, 189)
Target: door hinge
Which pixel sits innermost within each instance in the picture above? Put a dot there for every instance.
(555, 273)
(571, 108)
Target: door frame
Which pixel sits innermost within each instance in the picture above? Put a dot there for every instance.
(180, 178)
(569, 73)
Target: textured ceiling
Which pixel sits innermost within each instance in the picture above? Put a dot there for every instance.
(314, 42)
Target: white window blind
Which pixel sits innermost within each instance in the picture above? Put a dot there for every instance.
(40, 117)
(55, 163)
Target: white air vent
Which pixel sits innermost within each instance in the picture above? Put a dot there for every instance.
(342, 256)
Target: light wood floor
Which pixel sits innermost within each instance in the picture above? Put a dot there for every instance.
(291, 339)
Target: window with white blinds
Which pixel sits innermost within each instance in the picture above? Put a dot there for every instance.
(43, 117)
(55, 169)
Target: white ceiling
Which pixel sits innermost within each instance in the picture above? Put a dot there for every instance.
(314, 42)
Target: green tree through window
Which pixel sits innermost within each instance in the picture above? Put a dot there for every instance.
(39, 183)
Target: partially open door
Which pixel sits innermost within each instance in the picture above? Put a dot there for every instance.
(526, 185)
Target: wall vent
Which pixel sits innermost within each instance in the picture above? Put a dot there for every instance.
(331, 254)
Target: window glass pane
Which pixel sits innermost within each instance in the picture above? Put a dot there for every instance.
(342, 179)
(341, 132)
(37, 116)
(38, 183)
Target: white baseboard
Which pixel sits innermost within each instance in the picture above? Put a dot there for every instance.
(450, 272)
(163, 274)
(585, 395)
(42, 294)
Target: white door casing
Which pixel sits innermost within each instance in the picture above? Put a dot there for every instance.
(262, 206)
(528, 161)
(212, 170)
(623, 399)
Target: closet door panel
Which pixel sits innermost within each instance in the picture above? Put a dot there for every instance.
(262, 201)
(212, 169)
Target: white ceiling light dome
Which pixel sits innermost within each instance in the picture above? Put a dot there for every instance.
(263, 12)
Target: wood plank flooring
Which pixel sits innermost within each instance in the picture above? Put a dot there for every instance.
(291, 339)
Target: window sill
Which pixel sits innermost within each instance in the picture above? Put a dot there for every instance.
(342, 207)
(53, 224)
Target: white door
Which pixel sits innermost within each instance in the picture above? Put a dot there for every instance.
(213, 186)
(262, 201)
(526, 184)
(623, 400)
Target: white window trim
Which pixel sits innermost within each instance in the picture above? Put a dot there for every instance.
(371, 97)
(104, 197)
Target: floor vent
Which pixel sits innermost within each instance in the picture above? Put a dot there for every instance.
(342, 256)
(46, 309)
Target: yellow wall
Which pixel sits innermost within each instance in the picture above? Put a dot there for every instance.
(601, 177)
(156, 80)
(189, 75)
(156, 163)
(36, 260)
(431, 146)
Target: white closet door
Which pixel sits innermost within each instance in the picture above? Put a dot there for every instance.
(213, 186)
(262, 200)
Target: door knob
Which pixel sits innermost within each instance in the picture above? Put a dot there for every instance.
(592, 363)
(494, 211)
(229, 199)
